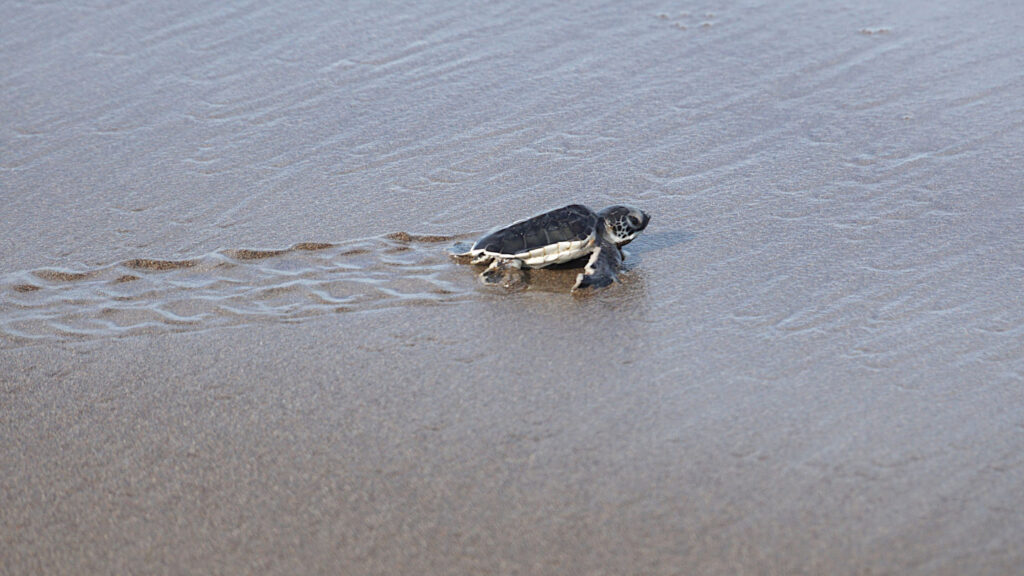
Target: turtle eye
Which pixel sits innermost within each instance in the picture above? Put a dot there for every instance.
(633, 222)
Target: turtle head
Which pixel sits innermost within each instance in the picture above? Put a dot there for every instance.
(623, 223)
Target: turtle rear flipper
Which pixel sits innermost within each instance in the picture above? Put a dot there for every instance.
(505, 272)
(461, 251)
(602, 268)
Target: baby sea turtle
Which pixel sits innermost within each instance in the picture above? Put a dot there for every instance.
(558, 237)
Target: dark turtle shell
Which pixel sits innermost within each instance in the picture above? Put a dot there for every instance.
(573, 223)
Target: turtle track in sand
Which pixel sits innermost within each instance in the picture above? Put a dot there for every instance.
(229, 287)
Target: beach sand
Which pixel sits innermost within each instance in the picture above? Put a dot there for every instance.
(232, 339)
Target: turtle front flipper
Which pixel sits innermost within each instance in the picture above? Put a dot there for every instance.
(602, 268)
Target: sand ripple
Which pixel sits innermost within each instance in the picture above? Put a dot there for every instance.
(231, 286)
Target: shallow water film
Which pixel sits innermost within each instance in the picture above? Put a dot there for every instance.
(233, 339)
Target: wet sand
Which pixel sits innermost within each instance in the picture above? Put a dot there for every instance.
(232, 341)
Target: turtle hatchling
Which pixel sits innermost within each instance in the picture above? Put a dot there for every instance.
(560, 236)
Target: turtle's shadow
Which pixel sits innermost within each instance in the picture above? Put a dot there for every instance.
(657, 241)
(654, 242)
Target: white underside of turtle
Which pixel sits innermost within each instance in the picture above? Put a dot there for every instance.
(548, 255)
